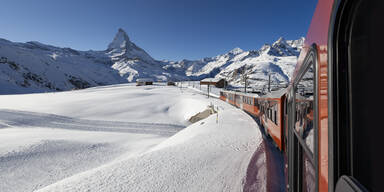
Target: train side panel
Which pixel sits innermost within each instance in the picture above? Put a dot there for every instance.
(272, 121)
(249, 105)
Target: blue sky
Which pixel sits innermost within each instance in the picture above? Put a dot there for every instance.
(166, 29)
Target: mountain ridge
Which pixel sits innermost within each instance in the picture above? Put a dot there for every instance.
(36, 67)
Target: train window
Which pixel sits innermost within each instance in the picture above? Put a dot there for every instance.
(302, 131)
(304, 108)
(275, 115)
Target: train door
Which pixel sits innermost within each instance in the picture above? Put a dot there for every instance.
(356, 108)
(285, 122)
(302, 133)
(292, 174)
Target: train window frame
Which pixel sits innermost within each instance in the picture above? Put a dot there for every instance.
(297, 147)
(309, 60)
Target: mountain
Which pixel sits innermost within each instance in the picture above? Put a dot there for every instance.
(122, 47)
(35, 67)
(277, 60)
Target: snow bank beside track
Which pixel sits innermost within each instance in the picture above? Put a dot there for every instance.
(205, 156)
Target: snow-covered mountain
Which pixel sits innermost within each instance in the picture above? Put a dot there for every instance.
(36, 67)
(277, 60)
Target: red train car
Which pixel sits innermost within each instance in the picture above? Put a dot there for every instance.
(247, 102)
(333, 141)
(272, 116)
(327, 121)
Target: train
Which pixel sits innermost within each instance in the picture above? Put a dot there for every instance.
(327, 122)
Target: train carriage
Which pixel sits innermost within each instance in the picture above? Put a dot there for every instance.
(272, 116)
(327, 122)
(333, 142)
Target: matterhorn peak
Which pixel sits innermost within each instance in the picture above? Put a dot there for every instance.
(120, 41)
(236, 51)
(122, 47)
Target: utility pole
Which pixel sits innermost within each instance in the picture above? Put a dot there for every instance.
(245, 84)
(245, 78)
(269, 82)
(226, 81)
(208, 90)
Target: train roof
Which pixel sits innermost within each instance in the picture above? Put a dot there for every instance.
(275, 94)
(241, 93)
(213, 80)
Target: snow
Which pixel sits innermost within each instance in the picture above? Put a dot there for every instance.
(236, 51)
(195, 159)
(123, 138)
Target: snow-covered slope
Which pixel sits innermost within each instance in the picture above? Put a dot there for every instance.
(123, 138)
(36, 67)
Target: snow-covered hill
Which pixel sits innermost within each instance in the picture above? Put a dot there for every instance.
(75, 141)
(36, 67)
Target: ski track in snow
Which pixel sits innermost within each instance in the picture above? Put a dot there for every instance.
(50, 161)
(11, 118)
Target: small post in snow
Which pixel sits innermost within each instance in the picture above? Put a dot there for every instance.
(269, 82)
(217, 115)
(208, 90)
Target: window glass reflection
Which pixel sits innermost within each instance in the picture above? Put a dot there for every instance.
(304, 108)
